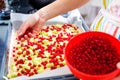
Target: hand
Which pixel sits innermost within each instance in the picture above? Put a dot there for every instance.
(118, 77)
(34, 22)
(118, 65)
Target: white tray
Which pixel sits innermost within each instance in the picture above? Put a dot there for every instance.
(73, 17)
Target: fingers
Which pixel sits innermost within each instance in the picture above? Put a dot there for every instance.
(26, 36)
(118, 65)
(30, 34)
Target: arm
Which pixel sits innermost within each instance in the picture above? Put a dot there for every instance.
(60, 7)
(56, 8)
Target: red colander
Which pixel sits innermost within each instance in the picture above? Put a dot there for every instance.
(80, 37)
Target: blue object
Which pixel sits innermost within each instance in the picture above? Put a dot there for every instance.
(4, 33)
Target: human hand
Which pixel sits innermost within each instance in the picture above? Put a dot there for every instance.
(33, 23)
(118, 77)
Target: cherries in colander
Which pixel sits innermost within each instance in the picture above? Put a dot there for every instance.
(94, 54)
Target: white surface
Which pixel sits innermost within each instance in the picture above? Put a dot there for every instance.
(17, 19)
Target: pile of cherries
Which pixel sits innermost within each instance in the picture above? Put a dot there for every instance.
(43, 52)
(94, 55)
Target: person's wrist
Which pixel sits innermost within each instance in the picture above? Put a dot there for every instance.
(41, 15)
(36, 16)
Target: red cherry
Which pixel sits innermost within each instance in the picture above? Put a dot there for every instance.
(34, 66)
(16, 48)
(27, 52)
(35, 71)
(20, 66)
(24, 55)
(30, 74)
(27, 70)
(18, 69)
(19, 53)
(61, 65)
(22, 72)
(29, 58)
(44, 63)
(18, 42)
(39, 65)
(53, 67)
(16, 38)
(20, 61)
(13, 55)
(18, 74)
(29, 64)
(15, 59)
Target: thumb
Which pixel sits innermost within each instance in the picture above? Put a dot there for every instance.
(118, 65)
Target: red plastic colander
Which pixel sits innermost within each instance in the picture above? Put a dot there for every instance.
(77, 40)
